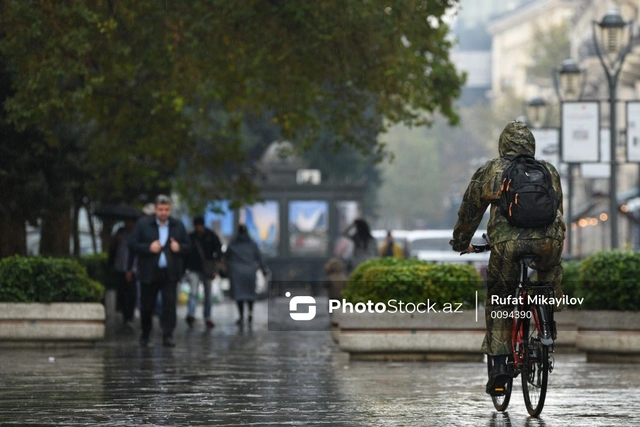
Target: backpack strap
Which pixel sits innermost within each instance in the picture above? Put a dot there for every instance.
(512, 157)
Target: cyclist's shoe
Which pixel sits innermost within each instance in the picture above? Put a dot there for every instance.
(498, 379)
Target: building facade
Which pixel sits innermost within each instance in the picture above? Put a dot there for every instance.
(513, 35)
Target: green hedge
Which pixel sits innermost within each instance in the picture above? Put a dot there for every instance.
(608, 280)
(43, 279)
(356, 275)
(382, 279)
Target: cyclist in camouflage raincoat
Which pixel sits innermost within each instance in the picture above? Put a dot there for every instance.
(508, 242)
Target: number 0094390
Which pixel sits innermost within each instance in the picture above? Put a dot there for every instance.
(511, 314)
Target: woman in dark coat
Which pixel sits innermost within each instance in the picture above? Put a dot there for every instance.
(365, 245)
(243, 259)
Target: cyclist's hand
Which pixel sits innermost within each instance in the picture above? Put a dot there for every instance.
(469, 250)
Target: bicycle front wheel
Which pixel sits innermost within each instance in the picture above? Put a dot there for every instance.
(535, 370)
(500, 402)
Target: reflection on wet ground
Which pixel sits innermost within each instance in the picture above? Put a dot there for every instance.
(232, 376)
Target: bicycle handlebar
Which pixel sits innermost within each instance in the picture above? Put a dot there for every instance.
(480, 248)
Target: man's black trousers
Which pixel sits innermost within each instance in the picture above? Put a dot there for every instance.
(148, 297)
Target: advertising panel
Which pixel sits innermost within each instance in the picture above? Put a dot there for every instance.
(308, 227)
(580, 132)
(602, 169)
(633, 131)
(263, 223)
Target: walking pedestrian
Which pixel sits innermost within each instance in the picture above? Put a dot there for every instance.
(243, 260)
(147, 210)
(201, 268)
(160, 243)
(121, 260)
(365, 245)
(391, 248)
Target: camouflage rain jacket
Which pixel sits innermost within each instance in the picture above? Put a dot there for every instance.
(484, 190)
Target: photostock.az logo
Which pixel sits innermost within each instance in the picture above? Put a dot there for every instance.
(301, 300)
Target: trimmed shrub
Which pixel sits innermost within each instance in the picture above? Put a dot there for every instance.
(409, 284)
(609, 281)
(353, 288)
(99, 269)
(415, 281)
(458, 283)
(43, 279)
(356, 275)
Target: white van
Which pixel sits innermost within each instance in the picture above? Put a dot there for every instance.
(433, 245)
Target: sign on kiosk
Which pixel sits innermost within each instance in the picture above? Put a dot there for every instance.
(633, 131)
(602, 169)
(580, 141)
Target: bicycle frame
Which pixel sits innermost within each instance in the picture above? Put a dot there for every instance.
(541, 316)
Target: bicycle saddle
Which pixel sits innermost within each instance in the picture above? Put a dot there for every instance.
(528, 259)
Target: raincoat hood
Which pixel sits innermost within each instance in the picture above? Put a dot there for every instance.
(516, 138)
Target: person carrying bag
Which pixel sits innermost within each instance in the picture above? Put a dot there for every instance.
(202, 268)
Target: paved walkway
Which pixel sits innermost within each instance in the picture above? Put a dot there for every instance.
(253, 377)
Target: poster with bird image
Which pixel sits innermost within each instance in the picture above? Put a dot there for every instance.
(308, 227)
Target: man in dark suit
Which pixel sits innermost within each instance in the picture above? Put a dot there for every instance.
(160, 243)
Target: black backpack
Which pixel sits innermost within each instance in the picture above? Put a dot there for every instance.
(527, 198)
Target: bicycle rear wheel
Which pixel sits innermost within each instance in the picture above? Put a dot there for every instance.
(500, 402)
(535, 370)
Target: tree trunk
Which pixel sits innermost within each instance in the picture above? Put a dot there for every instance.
(56, 231)
(75, 230)
(92, 229)
(13, 236)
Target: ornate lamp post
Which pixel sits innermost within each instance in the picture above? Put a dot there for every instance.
(608, 37)
(569, 82)
(537, 111)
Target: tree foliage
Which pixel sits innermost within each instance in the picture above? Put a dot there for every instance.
(162, 88)
(551, 46)
(411, 192)
(130, 68)
(423, 185)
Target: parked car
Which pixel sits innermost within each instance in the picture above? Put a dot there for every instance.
(433, 245)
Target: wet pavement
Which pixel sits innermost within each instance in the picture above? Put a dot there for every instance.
(254, 377)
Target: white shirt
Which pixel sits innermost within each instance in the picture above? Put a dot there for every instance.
(163, 233)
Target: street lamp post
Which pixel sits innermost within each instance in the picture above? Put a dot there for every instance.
(569, 84)
(537, 111)
(608, 43)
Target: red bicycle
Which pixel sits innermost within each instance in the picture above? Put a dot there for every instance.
(532, 336)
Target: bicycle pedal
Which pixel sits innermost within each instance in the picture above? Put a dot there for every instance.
(499, 391)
